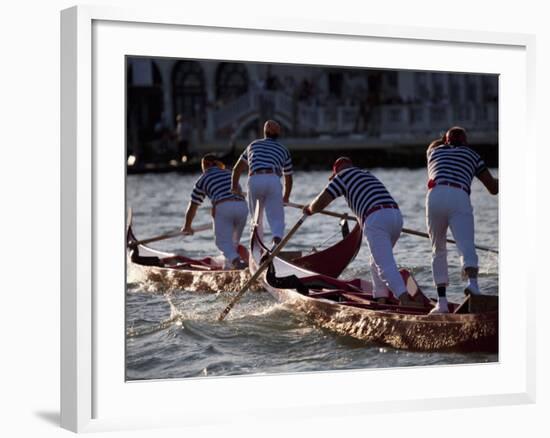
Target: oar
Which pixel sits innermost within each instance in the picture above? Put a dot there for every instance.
(421, 234)
(263, 267)
(177, 233)
(325, 212)
(405, 230)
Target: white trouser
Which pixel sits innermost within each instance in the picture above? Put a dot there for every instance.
(382, 230)
(450, 207)
(267, 189)
(229, 222)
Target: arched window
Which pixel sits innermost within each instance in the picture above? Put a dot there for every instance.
(144, 99)
(438, 92)
(422, 91)
(472, 88)
(455, 90)
(231, 81)
(189, 92)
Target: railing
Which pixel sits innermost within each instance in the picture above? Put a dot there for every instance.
(234, 110)
(416, 119)
(387, 120)
(253, 102)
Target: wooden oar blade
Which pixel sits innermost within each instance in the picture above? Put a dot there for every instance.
(262, 267)
(170, 235)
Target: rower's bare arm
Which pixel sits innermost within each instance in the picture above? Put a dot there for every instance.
(489, 181)
(288, 188)
(239, 168)
(320, 202)
(189, 216)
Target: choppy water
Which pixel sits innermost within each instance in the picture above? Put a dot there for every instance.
(174, 333)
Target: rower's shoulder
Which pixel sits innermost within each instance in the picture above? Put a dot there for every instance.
(265, 142)
(214, 172)
(467, 149)
(277, 143)
(446, 150)
(437, 145)
(345, 175)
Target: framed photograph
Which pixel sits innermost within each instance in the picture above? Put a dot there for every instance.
(153, 331)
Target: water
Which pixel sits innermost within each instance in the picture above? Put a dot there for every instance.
(174, 333)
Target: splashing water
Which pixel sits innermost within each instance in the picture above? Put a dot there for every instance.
(173, 332)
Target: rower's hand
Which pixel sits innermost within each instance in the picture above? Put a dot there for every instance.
(187, 231)
(307, 210)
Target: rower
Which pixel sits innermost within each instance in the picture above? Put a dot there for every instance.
(380, 219)
(229, 210)
(452, 166)
(266, 160)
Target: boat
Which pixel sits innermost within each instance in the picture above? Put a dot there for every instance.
(170, 271)
(347, 307)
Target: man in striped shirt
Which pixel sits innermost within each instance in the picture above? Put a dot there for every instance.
(266, 160)
(378, 214)
(452, 166)
(229, 210)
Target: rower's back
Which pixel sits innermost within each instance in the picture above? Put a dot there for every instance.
(216, 184)
(267, 154)
(456, 164)
(363, 191)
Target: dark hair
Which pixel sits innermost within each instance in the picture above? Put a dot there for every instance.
(456, 136)
(272, 129)
(210, 157)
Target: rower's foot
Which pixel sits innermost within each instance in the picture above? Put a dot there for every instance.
(405, 299)
(276, 241)
(239, 264)
(381, 300)
(472, 288)
(440, 307)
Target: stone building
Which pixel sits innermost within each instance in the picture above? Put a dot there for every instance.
(223, 102)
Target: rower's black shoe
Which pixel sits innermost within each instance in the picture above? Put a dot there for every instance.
(408, 301)
(276, 241)
(240, 265)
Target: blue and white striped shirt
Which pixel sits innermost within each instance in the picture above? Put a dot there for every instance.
(214, 183)
(267, 153)
(361, 189)
(455, 164)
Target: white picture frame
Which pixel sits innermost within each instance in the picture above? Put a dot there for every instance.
(93, 397)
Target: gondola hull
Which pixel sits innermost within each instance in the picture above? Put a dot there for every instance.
(408, 329)
(208, 275)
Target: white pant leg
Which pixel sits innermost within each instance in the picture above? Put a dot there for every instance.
(450, 207)
(228, 215)
(239, 220)
(382, 230)
(461, 222)
(254, 195)
(274, 207)
(379, 288)
(267, 189)
(437, 221)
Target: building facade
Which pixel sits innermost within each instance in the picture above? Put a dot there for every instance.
(224, 101)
